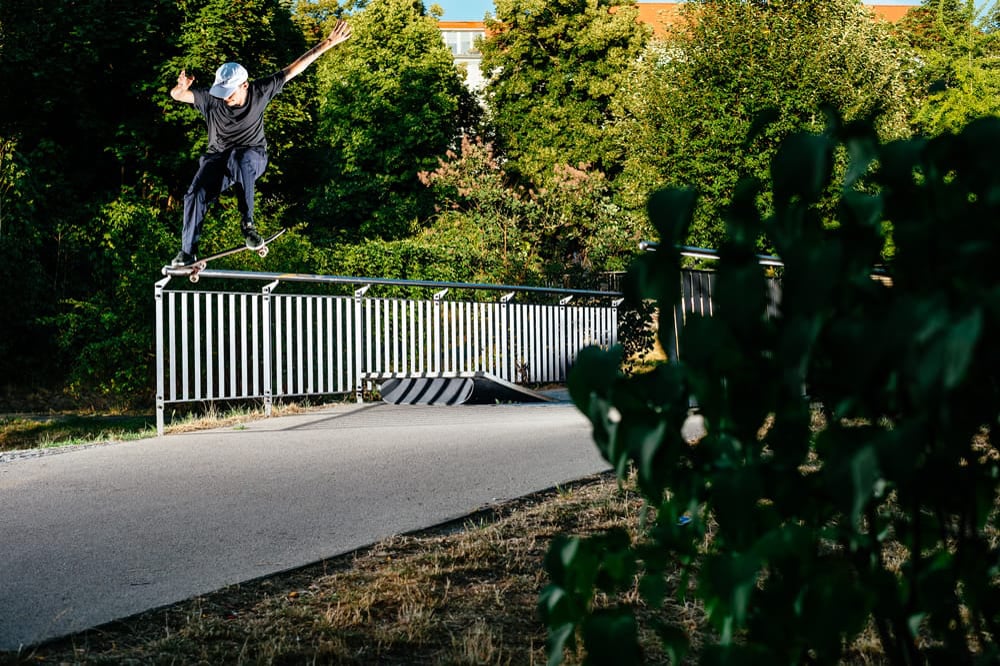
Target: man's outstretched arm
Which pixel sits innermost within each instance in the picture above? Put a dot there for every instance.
(340, 33)
(182, 91)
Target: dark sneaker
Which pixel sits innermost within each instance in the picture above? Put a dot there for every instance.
(253, 238)
(183, 259)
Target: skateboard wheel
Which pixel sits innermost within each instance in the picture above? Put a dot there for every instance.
(193, 277)
(262, 252)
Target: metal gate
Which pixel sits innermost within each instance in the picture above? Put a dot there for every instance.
(227, 345)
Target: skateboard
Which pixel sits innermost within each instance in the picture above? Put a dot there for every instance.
(192, 270)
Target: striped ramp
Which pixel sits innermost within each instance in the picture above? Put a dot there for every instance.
(474, 388)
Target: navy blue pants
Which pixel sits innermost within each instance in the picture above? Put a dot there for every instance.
(237, 168)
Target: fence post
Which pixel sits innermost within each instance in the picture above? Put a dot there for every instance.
(615, 304)
(359, 338)
(161, 388)
(506, 342)
(563, 341)
(439, 353)
(268, 345)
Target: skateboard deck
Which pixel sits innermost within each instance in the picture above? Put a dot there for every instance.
(192, 270)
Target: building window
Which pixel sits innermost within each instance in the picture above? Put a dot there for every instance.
(462, 42)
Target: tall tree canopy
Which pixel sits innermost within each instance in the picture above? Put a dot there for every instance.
(959, 72)
(76, 120)
(554, 67)
(393, 102)
(93, 159)
(693, 97)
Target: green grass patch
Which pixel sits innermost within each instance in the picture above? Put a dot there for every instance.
(28, 432)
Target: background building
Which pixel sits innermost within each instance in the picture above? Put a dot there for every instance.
(460, 37)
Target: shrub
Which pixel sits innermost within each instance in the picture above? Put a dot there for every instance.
(562, 232)
(791, 526)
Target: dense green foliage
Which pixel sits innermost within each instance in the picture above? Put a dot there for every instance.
(96, 157)
(692, 98)
(554, 67)
(75, 81)
(802, 535)
(564, 231)
(394, 102)
(958, 46)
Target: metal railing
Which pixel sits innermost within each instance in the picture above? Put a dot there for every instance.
(697, 290)
(228, 345)
(697, 299)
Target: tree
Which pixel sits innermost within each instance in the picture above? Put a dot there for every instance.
(686, 111)
(553, 68)
(484, 216)
(77, 123)
(567, 231)
(101, 156)
(959, 72)
(26, 283)
(392, 102)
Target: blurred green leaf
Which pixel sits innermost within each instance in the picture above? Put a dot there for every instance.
(612, 638)
(801, 168)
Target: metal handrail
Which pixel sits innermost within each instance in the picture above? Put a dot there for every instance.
(349, 280)
(710, 255)
(878, 272)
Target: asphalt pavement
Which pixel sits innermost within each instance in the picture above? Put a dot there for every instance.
(98, 534)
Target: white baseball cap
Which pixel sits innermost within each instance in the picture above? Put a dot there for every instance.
(228, 78)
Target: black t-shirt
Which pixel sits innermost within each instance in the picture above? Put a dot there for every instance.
(243, 126)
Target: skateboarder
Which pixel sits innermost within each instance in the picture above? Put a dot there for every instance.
(233, 109)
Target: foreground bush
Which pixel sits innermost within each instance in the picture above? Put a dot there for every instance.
(882, 519)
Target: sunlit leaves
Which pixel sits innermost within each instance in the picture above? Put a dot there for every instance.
(553, 68)
(692, 101)
(392, 102)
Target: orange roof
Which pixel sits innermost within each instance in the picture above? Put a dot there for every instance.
(657, 14)
(461, 25)
(891, 13)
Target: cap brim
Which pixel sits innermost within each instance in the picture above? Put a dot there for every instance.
(221, 91)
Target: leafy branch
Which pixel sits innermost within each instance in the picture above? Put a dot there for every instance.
(848, 477)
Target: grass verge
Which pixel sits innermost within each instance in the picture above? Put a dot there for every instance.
(19, 432)
(40, 432)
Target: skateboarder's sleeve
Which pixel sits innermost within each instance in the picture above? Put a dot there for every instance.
(341, 31)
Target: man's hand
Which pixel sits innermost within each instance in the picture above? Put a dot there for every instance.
(341, 32)
(182, 91)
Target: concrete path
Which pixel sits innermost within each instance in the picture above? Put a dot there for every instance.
(99, 534)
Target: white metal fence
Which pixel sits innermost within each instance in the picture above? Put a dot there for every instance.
(226, 345)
